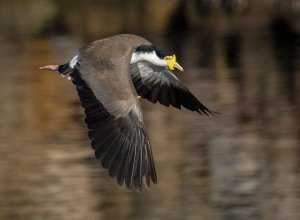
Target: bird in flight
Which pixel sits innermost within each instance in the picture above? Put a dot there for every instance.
(110, 76)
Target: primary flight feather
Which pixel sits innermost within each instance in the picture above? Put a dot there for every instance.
(110, 75)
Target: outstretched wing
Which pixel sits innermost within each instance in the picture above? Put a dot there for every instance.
(120, 143)
(113, 113)
(160, 84)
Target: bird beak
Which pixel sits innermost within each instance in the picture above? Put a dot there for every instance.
(171, 61)
(177, 66)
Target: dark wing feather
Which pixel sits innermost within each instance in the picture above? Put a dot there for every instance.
(113, 115)
(120, 143)
(159, 84)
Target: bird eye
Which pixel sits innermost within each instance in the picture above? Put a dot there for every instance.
(170, 57)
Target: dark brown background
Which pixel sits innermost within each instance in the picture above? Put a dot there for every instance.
(241, 58)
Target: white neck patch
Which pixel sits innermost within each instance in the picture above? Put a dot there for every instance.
(148, 56)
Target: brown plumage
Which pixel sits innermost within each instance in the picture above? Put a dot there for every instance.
(108, 86)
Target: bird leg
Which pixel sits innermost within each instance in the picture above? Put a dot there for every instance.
(50, 67)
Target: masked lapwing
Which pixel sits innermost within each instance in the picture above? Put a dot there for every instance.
(110, 76)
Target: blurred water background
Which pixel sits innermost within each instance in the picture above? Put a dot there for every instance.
(241, 58)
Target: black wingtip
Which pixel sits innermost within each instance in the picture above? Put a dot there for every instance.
(208, 112)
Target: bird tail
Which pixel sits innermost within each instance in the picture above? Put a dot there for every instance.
(65, 69)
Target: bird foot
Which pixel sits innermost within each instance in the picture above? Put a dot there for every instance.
(50, 67)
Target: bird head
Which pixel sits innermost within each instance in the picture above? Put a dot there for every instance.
(171, 62)
(151, 54)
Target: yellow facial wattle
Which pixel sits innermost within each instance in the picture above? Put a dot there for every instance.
(172, 64)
